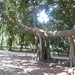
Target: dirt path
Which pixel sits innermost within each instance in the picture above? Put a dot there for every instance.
(12, 63)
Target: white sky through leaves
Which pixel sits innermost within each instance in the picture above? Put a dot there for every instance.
(43, 17)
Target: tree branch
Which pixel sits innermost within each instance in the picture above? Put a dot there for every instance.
(68, 13)
(45, 34)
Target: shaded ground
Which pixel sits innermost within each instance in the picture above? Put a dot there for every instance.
(12, 63)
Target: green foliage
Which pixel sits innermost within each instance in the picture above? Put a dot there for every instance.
(16, 11)
(29, 39)
(59, 44)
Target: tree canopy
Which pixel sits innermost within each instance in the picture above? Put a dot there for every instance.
(23, 16)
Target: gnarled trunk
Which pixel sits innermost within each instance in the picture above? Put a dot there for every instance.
(48, 50)
(43, 52)
(72, 52)
(42, 35)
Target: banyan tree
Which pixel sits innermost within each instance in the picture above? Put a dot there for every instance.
(16, 11)
(42, 38)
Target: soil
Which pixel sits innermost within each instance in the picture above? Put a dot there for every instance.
(32, 67)
(20, 64)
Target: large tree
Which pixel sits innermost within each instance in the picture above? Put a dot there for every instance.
(27, 23)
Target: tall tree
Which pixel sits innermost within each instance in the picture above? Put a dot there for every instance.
(23, 11)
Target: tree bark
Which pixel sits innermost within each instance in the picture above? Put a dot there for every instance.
(45, 34)
(43, 52)
(41, 49)
(36, 48)
(48, 50)
(72, 52)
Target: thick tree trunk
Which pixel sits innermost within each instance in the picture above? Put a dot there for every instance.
(43, 52)
(36, 44)
(36, 50)
(48, 50)
(41, 47)
(72, 52)
(29, 30)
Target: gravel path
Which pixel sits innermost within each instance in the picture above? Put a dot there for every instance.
(15, 63)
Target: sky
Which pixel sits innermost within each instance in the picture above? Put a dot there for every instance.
(43, 17)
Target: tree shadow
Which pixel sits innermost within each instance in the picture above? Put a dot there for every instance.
(35, 72)
(8, 66)
(37, 68)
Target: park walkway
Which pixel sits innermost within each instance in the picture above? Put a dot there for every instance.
(8, 65)
(16, 63)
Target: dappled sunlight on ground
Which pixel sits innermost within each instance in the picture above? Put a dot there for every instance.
(12, 64)
(31, 67)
